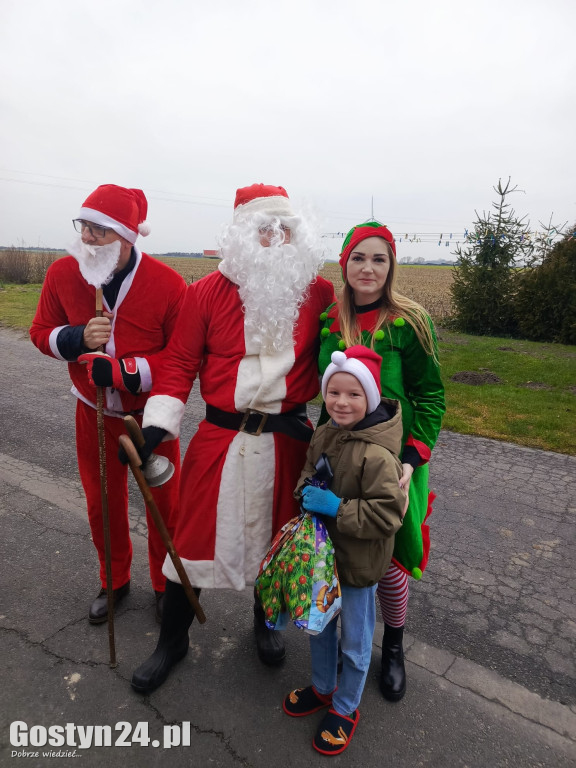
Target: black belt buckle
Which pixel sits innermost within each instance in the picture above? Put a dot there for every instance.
(249, 412)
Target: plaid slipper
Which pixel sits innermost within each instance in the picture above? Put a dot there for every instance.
(335, 732)
(305, 701)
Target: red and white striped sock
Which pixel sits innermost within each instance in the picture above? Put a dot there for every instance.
(393, 596)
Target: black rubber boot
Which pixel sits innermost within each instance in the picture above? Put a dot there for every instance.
(393, 674)
(269, 642)
(173, 643)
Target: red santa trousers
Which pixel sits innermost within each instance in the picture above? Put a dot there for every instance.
(165, 496)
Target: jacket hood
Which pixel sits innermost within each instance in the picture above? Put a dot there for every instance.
(383, 426)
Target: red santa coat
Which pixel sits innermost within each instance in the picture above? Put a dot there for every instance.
(144, 317)
(236, 488)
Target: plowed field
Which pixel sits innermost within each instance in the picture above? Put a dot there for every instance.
(429, 286)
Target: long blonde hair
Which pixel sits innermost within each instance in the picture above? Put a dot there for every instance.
(392, 305)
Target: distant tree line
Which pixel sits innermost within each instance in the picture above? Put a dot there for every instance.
(33, 250)
(22, 265)
(178, 254)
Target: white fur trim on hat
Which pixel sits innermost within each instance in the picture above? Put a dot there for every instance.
(343, 364)
(275, 205)
(96, 217)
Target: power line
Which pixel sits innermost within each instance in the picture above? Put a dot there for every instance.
(215, 202)
(442, 236)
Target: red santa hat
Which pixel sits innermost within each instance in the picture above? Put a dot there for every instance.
(262, 198)
(364, 364)
(123, 210)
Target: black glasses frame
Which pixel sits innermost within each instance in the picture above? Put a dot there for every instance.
(95, 229)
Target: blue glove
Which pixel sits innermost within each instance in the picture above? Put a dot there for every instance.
(320, 500)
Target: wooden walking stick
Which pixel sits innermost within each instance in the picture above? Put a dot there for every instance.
(135, 465)
(104, 496)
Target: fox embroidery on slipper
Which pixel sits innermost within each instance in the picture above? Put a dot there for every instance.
(340, 739)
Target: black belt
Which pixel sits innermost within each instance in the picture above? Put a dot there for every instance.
(292, 423)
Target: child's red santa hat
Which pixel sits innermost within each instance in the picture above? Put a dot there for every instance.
(364, 364)
(123, 210)
(262, 198)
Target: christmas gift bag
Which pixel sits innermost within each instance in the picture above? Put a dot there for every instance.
(269, 580)
(298, 579)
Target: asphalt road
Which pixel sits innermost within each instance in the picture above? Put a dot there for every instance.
(491, 626)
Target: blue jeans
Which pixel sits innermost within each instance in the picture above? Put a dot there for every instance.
(357, 621)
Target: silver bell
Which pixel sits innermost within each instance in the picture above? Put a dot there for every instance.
(158, 470)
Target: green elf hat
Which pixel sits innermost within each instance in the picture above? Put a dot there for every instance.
(361, 232)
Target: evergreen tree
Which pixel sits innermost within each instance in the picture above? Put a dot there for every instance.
(546, 300)
(486, 273)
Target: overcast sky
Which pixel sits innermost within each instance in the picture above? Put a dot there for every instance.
(421, 106)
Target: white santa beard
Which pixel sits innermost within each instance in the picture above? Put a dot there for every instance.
(272, 281)
(96, 262)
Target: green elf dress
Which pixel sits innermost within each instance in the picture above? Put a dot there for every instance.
(412, 377)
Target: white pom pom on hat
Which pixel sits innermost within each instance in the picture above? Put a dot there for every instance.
(144, 229)
(338, 358)
(364, 364)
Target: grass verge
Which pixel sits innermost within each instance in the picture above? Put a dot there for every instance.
(18, 304)
(532, 404)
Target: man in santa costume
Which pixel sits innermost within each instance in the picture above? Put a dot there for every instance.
(141, 300)
(249, 331)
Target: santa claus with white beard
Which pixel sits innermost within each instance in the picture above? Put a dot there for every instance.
(141, 298)
(250, 332)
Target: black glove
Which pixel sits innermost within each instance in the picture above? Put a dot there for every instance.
(153, 436)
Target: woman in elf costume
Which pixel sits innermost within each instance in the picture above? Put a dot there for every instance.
(372, 313)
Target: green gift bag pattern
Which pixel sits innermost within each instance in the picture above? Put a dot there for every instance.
(298, 579)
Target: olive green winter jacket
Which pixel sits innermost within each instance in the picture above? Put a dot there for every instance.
(366, 473)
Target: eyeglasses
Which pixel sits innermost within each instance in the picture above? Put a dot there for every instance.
(98, 232)
(269, 229)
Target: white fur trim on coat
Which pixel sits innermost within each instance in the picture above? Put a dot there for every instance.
(166, 412)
